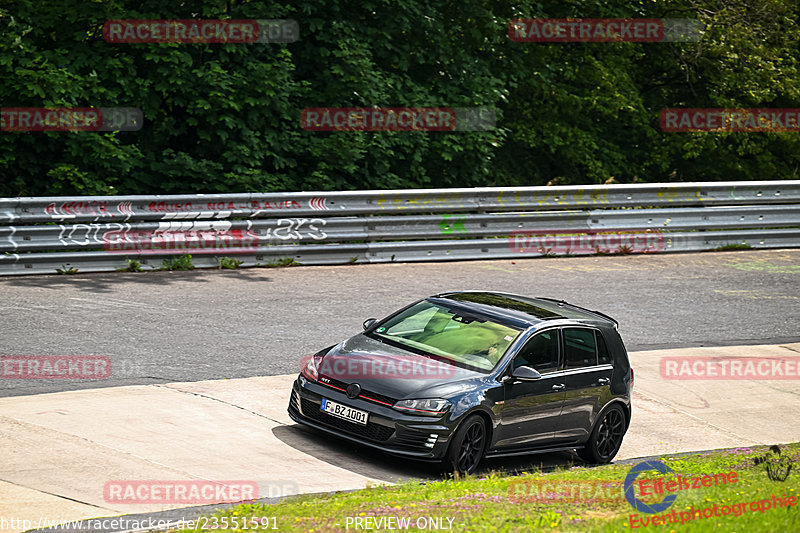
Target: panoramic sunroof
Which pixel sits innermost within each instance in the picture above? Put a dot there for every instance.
(505, 302)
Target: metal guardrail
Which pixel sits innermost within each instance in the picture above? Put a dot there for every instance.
(41, 235)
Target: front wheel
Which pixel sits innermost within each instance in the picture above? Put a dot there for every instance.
(466, 449)
(606, 438)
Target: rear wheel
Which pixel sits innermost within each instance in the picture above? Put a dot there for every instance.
(606, 438)
(467, 448)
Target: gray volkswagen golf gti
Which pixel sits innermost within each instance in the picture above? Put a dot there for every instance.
(461, 376)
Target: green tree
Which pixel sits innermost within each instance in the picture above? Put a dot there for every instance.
(226, 117)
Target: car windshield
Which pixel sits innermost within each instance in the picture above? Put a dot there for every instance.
(456, 336)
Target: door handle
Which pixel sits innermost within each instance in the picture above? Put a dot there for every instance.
(558, 386)
(604, 381)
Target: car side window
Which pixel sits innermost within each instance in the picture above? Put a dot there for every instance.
(603, 357)
(580, 348)
(540, 352)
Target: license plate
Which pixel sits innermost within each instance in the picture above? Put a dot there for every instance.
(342, 411)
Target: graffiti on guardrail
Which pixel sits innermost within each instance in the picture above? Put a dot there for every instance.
(453, 224)
(491, 222)
(254, 205)
(447, 201)
(680, 196)
(209, 237)
(187, 241)
(505, 200)
(166, 207)
(97, 209)
(105, 209)
(73, 209)
(122, 237)
(577, 198)
(86, 234)
(299, 229)
(583, 198)
(316, 203)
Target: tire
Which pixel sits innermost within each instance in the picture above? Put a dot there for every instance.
(467, 447)
(606, 437)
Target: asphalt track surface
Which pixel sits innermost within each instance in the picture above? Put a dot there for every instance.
(161, 327)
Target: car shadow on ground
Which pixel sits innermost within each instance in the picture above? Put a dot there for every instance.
(372, 463)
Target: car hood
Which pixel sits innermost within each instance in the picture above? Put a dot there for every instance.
(394, 372)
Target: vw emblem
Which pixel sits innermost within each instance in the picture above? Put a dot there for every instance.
(353, 390)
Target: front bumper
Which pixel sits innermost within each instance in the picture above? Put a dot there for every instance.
(388, 430)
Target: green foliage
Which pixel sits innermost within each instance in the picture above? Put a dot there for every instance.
(229, 263)
(501, 502)
(282, 262)
(732, 246)
(225, 117)
(66, 269)
(601, 251)
(624, 249)
(178, 262)
(133, 266)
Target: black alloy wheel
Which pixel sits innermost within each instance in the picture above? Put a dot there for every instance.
(469, 443)
(606, 439)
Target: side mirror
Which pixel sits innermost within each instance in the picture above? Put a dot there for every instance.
(525, 373)
(368, 323)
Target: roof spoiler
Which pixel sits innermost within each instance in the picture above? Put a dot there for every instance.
(598, 313)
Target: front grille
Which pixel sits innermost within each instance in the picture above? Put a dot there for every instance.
(365, 394)
(336, 383)
(371, 431)
(369, 395)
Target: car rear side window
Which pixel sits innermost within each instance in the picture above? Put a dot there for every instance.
(580, 348)
(540, 352)
(603, 357)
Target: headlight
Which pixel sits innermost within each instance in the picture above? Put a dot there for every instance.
(434, 407)
(309, 370)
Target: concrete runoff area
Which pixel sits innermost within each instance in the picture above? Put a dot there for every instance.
(163, 327)
(61, 449)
